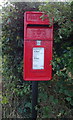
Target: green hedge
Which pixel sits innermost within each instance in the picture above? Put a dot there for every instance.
(55, 96)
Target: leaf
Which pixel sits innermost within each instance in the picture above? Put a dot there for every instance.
(59, 114)
(4, 100)
(55, 101)
(68, 93)
(46, 111)
(51, 97)
(71, 102)
(28, 104)
(58, 59)
(60, 37)
(68, 99)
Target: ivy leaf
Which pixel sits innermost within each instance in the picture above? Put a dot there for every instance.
(28, 105)
(68, 93)
(58, 59)
(4, 100)
(68, 99)
(71, 102)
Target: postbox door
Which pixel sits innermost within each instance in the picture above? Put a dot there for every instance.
(37, 60)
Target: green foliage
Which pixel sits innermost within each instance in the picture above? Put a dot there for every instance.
(55, 96)
(46, 111)
(61, 12)
(23, 91)
(62, 56)
(14, 87)
(4, 100)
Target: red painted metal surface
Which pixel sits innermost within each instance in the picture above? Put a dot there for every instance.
(38, 43)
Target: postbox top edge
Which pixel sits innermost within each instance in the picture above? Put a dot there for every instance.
(33, 12)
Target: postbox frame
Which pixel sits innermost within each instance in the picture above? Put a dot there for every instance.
(29, 43)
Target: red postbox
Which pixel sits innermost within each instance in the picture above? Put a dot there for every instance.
(38, 43)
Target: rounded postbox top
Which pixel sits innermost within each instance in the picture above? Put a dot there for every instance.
(33, 17)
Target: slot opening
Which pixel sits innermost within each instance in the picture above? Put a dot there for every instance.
(37, 25)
